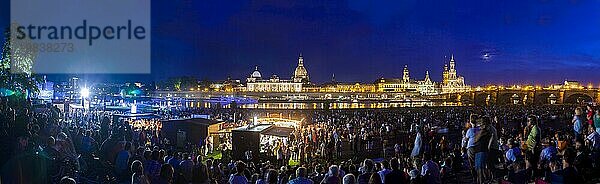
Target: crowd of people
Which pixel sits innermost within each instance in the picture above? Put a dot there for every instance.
(499, 144)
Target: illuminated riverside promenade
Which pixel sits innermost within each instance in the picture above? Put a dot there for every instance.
(491, 95)
(384, 92)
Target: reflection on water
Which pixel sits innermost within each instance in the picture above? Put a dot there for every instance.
(311, 105)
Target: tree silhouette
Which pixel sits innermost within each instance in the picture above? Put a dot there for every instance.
(16, 63)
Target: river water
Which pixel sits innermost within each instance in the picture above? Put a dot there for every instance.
(307, 105)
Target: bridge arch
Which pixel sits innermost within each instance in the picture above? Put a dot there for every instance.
(545, 98)
(483, 99)
(578, 98)
(508, 98)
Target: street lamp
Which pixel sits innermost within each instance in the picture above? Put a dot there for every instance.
(85, 92)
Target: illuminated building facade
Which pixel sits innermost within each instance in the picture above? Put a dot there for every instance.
(452, 82)
(300, 74)
(426, 86)
(300, 82)
(347, 87)
(406, 84)
(255, 83)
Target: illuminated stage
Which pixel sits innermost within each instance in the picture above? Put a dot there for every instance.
(260, 136)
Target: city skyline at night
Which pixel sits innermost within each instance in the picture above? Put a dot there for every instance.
(300, 91)
(359, 41)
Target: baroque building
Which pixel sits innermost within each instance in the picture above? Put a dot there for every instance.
(300, 74)
(426, 86)
(406, 84)
(255, 82)
(452, 82)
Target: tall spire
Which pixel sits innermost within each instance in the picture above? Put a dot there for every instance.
(300, 60)
(405, 74)
(452, 63)
(300, 74)
(452, 70)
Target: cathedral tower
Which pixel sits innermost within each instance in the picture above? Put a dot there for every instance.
(300, 74)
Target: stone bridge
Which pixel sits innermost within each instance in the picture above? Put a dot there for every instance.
(475, 97)
(534, 96)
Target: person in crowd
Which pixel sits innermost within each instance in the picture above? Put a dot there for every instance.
(397, 175)
(534, 134)
(494, 151)
(375, 179)
(430, 171)
(239, 176)
(152, 166)
(186, 167)
(578, 122)
(67, 180)
(416, 151)
(593, 139)
(597, 120)
(301, 177)
(593, 143)
(349, 179)
(481, 148)
(513, 153)
(174, 160)
(271, 177)
(200, 172)
(446, 169)
(138, 176)
(333, 176)
(582, 161)
(570, 174)
(414, 173)
(548, 153)
(166, 175)
(385, 169)
(317, 144)
(122, 161)
(367, 170)
(517, 172)
(87, 142)
(468, 141)
(589, 115)
(556, 173)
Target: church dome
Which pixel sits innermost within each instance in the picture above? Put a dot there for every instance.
(256, 73)
(300, 71)
(300, 74)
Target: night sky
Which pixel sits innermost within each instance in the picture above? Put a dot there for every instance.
(501, 42)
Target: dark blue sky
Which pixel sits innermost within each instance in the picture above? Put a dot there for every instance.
(541, 41)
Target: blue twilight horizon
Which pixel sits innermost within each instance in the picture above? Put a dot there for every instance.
(499, 42)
